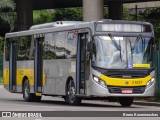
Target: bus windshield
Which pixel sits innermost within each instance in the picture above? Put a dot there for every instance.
(121, 52)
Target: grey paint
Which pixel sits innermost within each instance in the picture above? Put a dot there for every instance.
(100, 91)
(93, 10)
(56, 72)
(84, 25)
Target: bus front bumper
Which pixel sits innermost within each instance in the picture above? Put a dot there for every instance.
(100, 91)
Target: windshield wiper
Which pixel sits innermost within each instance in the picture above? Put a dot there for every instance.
(116, 45)
(114, 42)
(140, 37)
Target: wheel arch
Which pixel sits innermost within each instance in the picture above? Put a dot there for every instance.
(23, 80)
(67, 82)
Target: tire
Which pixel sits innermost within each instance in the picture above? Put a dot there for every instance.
(126, 101)
(27, 96)
(71, 98)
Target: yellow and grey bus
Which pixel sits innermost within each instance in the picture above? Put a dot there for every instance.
(79, 60)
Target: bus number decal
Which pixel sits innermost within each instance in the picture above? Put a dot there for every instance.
(136, 82)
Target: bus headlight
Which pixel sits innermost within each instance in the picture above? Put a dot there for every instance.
(99, 81)
(152, 74)
(149, 83)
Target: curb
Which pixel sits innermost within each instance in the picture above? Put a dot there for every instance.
(144, 103)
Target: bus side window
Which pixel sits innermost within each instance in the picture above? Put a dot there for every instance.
(94, 51)
(30, 45)
(21, 48)
(28, 49)
(49, 46)
(7, 50)
(71, 44)
(60, 45)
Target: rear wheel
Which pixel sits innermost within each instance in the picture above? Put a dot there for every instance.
(126, 101)
(27, 96)
(71, 98)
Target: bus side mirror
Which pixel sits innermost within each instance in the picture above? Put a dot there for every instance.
(89, 47)
(89, 51)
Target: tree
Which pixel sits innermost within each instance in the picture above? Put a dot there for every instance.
(42, 16)
(127, 15)
(68, 14)
(152, 16)
(1, 45)
(7, 13)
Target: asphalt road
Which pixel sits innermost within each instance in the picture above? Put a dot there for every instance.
(15, 102)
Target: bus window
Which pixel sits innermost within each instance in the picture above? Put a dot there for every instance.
(30, 45)
(49, 46)
(7, 50)
(59, 45)
(71, 45)
(21, 46)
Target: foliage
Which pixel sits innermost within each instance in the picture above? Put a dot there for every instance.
(106, 12)
(42, 16)
(68, 14)
(126, 15)
(1, 79)
(1, 45)
(152, 16)
(63, 14)
(7, 13)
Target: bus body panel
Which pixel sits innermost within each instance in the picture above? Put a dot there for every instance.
(57, 72)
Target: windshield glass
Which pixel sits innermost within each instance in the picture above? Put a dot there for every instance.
(121, 52)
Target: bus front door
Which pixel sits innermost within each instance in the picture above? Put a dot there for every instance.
(82, 71)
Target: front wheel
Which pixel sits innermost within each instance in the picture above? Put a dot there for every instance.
(126, 101)
(71, 98)
(27, 96)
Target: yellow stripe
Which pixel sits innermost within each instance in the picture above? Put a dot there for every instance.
(141, 66)
(38, 94)
(6, 76)
(125, 81)
(21, 73)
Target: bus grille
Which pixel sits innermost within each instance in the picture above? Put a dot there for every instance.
(124, 74)
(136, 90)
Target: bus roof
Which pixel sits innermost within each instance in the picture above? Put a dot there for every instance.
(55, 24)
(66, 25)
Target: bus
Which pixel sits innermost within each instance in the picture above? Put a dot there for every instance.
(81, 60)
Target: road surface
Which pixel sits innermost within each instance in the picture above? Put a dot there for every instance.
(15, 102)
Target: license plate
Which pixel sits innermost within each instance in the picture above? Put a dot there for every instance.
(127, 90)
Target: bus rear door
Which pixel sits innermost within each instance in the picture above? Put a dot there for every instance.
(12, 66)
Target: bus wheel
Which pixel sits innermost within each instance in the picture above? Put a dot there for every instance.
(126, 101)
(27, 96)
(71, 98)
